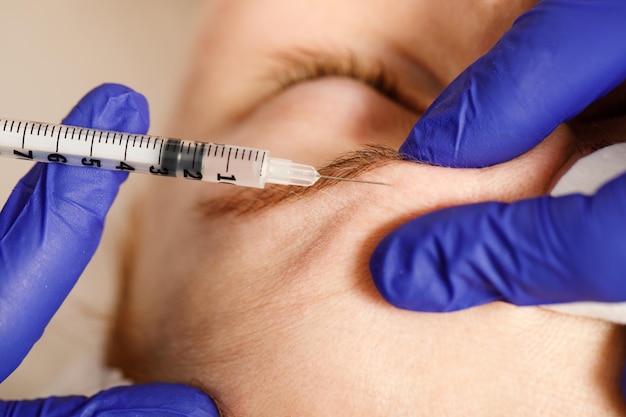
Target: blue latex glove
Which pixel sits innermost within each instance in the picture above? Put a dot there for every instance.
(554, 62)
(153, 400)
(49, 230)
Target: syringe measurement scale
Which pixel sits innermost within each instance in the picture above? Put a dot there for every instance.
(150, 154)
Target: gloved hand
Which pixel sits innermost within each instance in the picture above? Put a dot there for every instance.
(49, 230)
(555, 61)
(154, 400)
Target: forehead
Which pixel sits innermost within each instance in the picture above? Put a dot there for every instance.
(425, 42)
(461, 28)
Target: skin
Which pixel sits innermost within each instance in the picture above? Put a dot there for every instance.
(273, 311)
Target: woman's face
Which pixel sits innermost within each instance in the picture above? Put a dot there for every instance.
(264, 298)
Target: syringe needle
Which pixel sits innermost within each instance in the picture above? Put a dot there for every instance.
(353, 180)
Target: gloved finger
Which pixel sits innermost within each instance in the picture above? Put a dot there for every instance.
(556, 60)
(52, 223)
(137, 400)
(537, 251)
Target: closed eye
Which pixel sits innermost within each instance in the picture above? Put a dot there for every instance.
(307, 65)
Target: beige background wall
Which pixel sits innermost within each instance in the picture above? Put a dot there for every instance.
(52, 53)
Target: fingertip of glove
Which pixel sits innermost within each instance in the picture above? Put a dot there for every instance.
(433, 139)
(112, 107)
(167, 398)
(378, 271)
(392, 273)
(411, 268)
(411, 151)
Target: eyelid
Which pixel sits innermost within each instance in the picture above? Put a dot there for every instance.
(306, 65)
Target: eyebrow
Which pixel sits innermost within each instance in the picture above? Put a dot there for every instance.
(248, 201)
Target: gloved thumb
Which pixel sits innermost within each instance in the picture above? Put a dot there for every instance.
(52, 223)
(537, 251)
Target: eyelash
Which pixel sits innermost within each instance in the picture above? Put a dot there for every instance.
(309, 67)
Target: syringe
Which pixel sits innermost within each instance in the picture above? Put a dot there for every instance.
(154, 155)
